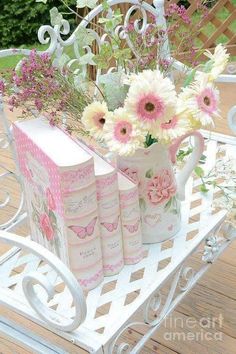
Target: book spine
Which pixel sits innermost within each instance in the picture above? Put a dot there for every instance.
(131, 226)
(110, 224)
(79, 198)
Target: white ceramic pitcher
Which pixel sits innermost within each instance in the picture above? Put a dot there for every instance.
(159, 191)
(232, 119)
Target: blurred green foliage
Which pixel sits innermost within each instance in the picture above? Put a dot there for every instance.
(21, 19)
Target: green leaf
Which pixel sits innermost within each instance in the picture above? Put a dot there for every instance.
(86, 3)
(190, 77)
(142, 204)
(103, 58)
(149, 173)
(199, 171)
(183, 153)
(208, 66)
(55, 17)
(64, 58)
(114, 91)
(105, 5)
(203, 188)
(112, 20)
(84, 36)
(80, 82)
(52, 218)
(168, 204)
(202, 159)
(123, 54)
(87, 59)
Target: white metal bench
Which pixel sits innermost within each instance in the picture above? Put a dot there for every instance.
(35, 284)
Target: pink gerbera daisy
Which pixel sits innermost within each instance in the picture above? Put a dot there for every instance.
(199, 102)
(121, 133)
(94, 117)
(172, 129)
(151, 99)
(207, 101)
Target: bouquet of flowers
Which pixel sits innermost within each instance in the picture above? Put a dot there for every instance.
(152, 111)
(137, 102)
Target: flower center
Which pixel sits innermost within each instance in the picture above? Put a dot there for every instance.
(149, 106)
(122, 131)
(170, 124)
(207, 101)
(99, 120)
(102, 121)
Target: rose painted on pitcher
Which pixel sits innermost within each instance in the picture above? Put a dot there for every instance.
(50, 200)
(46, 227)
(132, 174)
(161, 187)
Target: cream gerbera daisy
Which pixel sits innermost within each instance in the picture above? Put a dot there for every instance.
(219, 60)
(121, 133)
(199, 102)
(94, 117)
(172, 129)
(151, 99)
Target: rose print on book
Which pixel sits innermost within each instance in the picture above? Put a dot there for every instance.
(82, 231)
(46, 226)
(45, 218)
(50, 200)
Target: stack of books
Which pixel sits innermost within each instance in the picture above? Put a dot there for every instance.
(80, 208)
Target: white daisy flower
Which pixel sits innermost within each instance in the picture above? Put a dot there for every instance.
(219, 61)
(151, 99)
(174, 128)
(94, 117)
(121, 133)
(199, 102)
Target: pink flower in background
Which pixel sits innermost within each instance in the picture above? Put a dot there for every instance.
(46, 227)
(50, 200)
(2, 86)
(207, 101)
(131, 173)
(161, 187)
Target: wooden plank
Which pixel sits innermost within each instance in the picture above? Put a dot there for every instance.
(56, 340)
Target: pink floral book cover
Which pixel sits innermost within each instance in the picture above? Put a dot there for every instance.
(61, 200)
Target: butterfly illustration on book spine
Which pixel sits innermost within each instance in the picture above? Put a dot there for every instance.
(133, 227)
(111, 226)
(83, 231)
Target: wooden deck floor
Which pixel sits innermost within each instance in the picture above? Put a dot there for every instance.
(213, 296)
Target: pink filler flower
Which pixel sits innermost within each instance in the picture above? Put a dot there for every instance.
(161, 187)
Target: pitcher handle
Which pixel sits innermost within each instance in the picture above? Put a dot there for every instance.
(232, 119)
(193, 160)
